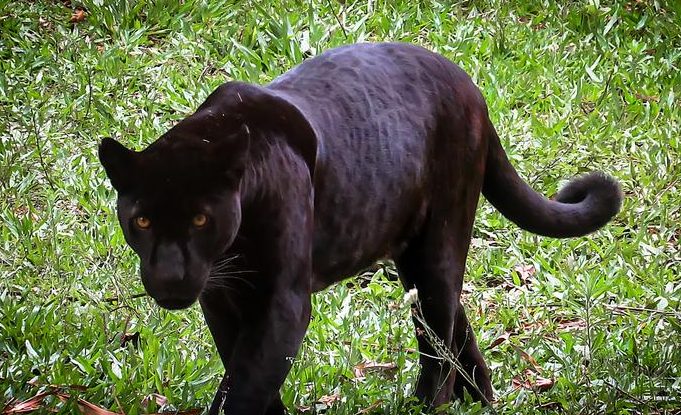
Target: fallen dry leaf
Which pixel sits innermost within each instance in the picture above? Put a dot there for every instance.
(361, 369)
(158, 398)
(329, 400)
(370, 408)
(24, 407)
(499, 340)
(525, 272)
(86, 408)
(534, 326)
(573, 324)
(646, 98)
(530, 380)
(529, 359)
(78, 16)
(543, 384)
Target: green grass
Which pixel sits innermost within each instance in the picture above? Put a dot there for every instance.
(571, 87)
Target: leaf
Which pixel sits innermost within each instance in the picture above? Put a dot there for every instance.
(590, 71)
(529, 359)
(24, 407)
(85, 407)
(499, 340)
(530, 380)
(573, 324)
(646, 98)
(329, 400)
(370, 409)
(30, 350)
(158, 398)
(78, 16)
(525, 272)
(610, 24)
(361, 369)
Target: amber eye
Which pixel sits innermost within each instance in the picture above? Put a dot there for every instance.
(199, 220)
(142, 222)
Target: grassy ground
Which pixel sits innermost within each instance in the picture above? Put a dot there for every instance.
(588, 325)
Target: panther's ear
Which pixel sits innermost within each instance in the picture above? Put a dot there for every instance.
(265, 108)
(119, 163)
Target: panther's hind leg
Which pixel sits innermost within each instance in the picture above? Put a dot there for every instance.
(472, 362)
(434, 263)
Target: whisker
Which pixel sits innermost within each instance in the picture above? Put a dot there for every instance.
(226, 277)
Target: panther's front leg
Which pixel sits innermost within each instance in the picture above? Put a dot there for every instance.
(274, 311)
(258, 331)
(264, 352)
(258, 343)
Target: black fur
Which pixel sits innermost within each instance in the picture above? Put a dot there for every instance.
(364, 152)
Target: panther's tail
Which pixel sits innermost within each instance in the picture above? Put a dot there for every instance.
(585, 204)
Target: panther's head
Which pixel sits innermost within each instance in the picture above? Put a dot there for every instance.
(179, 204)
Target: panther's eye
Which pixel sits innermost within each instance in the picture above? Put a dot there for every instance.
(142, 222)
(199, 220)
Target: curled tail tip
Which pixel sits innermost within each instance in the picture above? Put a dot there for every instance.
(601, 192)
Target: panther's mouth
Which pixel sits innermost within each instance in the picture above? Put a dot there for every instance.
(175, 303)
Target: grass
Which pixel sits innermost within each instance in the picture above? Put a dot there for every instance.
(585, 85)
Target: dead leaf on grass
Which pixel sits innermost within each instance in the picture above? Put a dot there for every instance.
(525, 272)
(363, 368)
(329, 400)
(571, 324)
(529, 359)
(25, 407)
(499, 340)
(86, 408)
(647, 98)
(78, 16)
(369, 409)
(530, 380)
(158, 398)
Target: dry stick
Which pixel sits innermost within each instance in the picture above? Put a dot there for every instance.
(345, 34)
(622, 391)
(40, 150)
(370, 408)
(444, 353)
(89, 93)
(118, 299)
(605, 90)
(616, 307)
(16, 293)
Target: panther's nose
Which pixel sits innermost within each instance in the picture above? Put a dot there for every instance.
(169, 279)
(169, 264)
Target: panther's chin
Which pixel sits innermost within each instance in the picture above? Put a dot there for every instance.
(175, 303)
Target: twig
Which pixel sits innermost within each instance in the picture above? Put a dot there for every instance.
(89, 93)
(370, 408)
(605, 90)
(616, 307)
(345, 33)
(39, 148)
(622, 391)
(118, 299)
